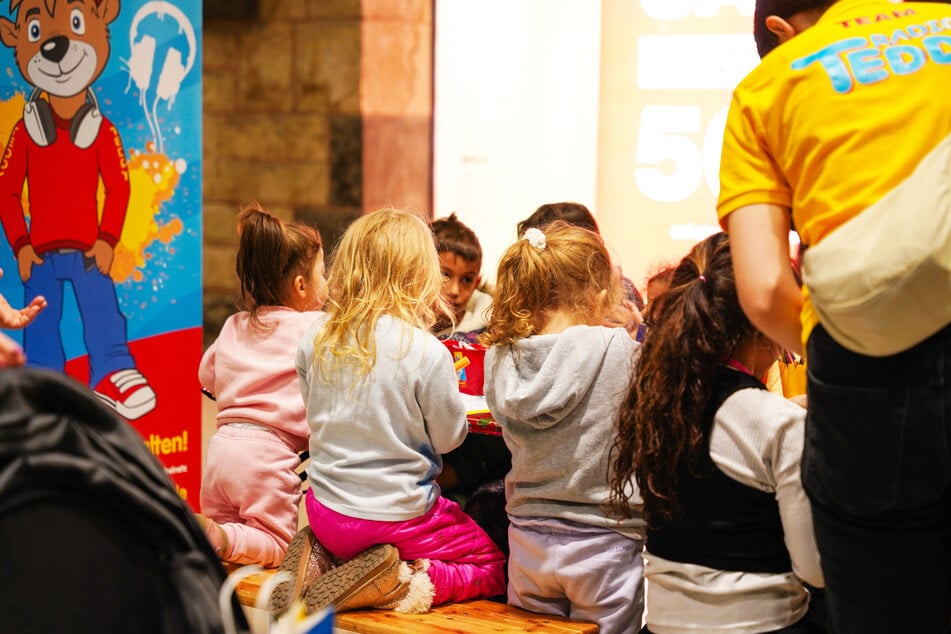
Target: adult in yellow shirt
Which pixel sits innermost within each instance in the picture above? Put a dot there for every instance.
(848, 101)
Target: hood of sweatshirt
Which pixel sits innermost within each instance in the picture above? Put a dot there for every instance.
(545, 377)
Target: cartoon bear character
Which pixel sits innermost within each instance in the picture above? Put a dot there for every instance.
(62, 147)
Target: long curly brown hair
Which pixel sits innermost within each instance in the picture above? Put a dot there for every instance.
(694, 328)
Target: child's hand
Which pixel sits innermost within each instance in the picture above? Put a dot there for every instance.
(624, 315)
(101, 253)
(11, 354)
(26, 260)
(11, 317)
(447, 478)
(216, 535)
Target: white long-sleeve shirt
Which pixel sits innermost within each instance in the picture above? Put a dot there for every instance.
(376, 444)
(757, 440)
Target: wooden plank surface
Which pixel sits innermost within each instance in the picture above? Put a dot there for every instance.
(459, 618)
(247, 589)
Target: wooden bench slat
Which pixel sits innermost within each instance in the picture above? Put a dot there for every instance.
(469, 617)
(461, 618)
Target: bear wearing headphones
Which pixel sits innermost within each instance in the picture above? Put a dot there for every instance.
(62, 148)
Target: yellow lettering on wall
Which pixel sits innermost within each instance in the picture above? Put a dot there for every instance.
(166, 445)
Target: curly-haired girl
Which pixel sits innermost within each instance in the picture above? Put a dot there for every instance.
(716, 458)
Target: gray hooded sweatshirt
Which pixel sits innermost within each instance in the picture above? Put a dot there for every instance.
(556, 398)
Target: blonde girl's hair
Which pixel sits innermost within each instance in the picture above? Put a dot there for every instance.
(566, 271)
(271, 253)
(385, 264)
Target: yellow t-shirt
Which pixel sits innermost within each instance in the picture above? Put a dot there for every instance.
(839, 116)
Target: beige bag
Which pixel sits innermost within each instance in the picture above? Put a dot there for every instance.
(881, 283)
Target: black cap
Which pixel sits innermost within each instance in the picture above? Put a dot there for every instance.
(785, 9)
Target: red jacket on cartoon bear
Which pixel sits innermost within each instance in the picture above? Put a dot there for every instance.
(74, 189)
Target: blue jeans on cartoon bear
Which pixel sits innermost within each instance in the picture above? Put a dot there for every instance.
(104, 327)
(877, 469)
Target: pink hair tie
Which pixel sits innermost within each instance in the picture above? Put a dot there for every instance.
(703, 279)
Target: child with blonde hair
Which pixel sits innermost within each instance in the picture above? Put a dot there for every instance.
(383, 405)
(250, 491)
(555, 377)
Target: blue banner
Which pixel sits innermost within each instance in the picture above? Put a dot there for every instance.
(100, 201)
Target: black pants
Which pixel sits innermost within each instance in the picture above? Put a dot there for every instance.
(877, 469)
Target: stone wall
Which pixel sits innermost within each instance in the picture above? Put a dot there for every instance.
(318, 110)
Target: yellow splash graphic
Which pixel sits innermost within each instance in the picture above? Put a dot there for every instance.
(11, 111)
(152, 177)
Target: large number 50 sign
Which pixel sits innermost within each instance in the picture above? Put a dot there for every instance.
(677, 135)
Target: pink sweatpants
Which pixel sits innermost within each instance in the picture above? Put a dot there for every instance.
(464, 562)
(250, 487)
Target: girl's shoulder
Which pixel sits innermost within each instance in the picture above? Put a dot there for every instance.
(238, 322)
(306, 317)
(404, 343)
(282, 321)
(758, 436)
(765, 418)
(313, 322)
(759, 399)
(390, 324)
(240, 317)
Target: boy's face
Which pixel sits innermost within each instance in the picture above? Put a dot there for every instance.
(459, 280)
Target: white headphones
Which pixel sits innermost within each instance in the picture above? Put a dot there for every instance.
(38, 119)
(143, 53)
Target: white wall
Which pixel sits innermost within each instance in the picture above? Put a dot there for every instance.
(668, 70)
(617, 104)
(515, 113)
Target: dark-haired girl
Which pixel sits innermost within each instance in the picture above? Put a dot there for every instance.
(250, 491)
(716, 458)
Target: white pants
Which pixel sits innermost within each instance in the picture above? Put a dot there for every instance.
(583, 573)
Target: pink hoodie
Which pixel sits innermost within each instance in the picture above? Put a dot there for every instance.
(252, 374)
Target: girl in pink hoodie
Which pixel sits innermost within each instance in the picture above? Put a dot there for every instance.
(250, 490)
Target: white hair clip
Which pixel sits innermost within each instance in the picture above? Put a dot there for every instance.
(535, 238)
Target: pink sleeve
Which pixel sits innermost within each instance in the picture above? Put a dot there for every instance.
(206, 369)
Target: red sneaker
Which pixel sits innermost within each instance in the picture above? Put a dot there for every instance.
(127, 392)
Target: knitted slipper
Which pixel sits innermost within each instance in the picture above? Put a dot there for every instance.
(306, 560)
(368, 580)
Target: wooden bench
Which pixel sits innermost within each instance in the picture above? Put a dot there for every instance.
(468, 616)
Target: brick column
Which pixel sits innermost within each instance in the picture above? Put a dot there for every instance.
(319, 110)
(396, 103)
